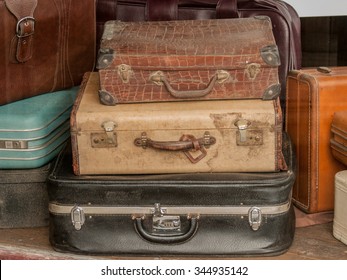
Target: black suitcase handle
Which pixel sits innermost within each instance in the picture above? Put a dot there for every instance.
(166, 239)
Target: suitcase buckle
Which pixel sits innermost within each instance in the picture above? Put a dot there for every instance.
(247, 137)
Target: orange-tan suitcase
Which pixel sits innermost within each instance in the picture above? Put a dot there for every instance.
(313, 95)
(338, 138)
(172, 137)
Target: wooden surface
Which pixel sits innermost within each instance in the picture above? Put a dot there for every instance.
(310, 243)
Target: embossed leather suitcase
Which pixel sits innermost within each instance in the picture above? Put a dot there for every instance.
(313, 95)
(171, 137)
(42, 46)
(188, 60)
(284, 18)
(172, 214)
(33, 130)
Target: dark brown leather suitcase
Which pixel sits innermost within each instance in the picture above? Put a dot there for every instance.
(45, 46)
(338, 137)
(188, 60)
(313, 95)
(172, 214)
(285, 20)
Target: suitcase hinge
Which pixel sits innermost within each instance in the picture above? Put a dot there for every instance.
(247, 137)
(162, 223)
(254, 218)
(105, 139)
(271, 55)
(77, 217)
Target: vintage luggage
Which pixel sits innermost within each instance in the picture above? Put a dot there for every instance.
(188, 60)
(33, 130)
(24, 197)
(172, 214)
(285, 20)
(313, 95)
(194, 136)
(338, 138)
(340, 212)
(42, 46)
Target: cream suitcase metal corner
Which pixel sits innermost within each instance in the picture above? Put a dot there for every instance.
(174, 137)
(340, 208)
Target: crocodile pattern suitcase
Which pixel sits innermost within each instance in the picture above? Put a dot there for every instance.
(34, 130)
(188, 60)
(172, 214)
(313, 95)
(171, 137)
(285, 20)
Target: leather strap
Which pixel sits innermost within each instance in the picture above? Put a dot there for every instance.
(157, 10)
(23, 39)
(227, 9)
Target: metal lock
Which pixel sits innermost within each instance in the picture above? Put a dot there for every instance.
(254, 218)
(164, 223)
(246, 136)
(13, 144)
(105, 139)
(77, 217)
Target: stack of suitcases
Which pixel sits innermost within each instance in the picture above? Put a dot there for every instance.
(177, 144)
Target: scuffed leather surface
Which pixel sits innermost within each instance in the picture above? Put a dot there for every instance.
(63, 49)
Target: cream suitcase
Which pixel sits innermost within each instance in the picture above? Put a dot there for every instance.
(171, 137)
(340, 209)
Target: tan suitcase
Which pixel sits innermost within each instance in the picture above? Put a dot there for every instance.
(171, 137)
(313, 95)
(340, 212)
(174, 137)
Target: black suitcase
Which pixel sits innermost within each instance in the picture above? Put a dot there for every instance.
(176, 214)
(24, 197)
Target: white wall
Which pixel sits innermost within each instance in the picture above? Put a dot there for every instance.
(311, 8)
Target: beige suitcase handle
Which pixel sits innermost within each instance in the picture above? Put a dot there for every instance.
(159, 79)
(186, 142)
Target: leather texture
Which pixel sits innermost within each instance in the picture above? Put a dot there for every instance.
(136, 129)
(313, 95)
(24, 197)
(45, 46)
(188, 60)
(215, 234)
(338, 140)
(285, 22)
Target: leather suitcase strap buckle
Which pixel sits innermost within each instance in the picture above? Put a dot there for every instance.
(21, 45)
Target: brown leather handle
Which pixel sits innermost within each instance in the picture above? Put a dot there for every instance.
(160, 79)
(185, 144)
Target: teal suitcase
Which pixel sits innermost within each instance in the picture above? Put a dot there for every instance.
(34, 130)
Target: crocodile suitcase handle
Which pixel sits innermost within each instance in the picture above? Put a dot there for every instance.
(166, 239)
(187, 142)
(159, 78)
